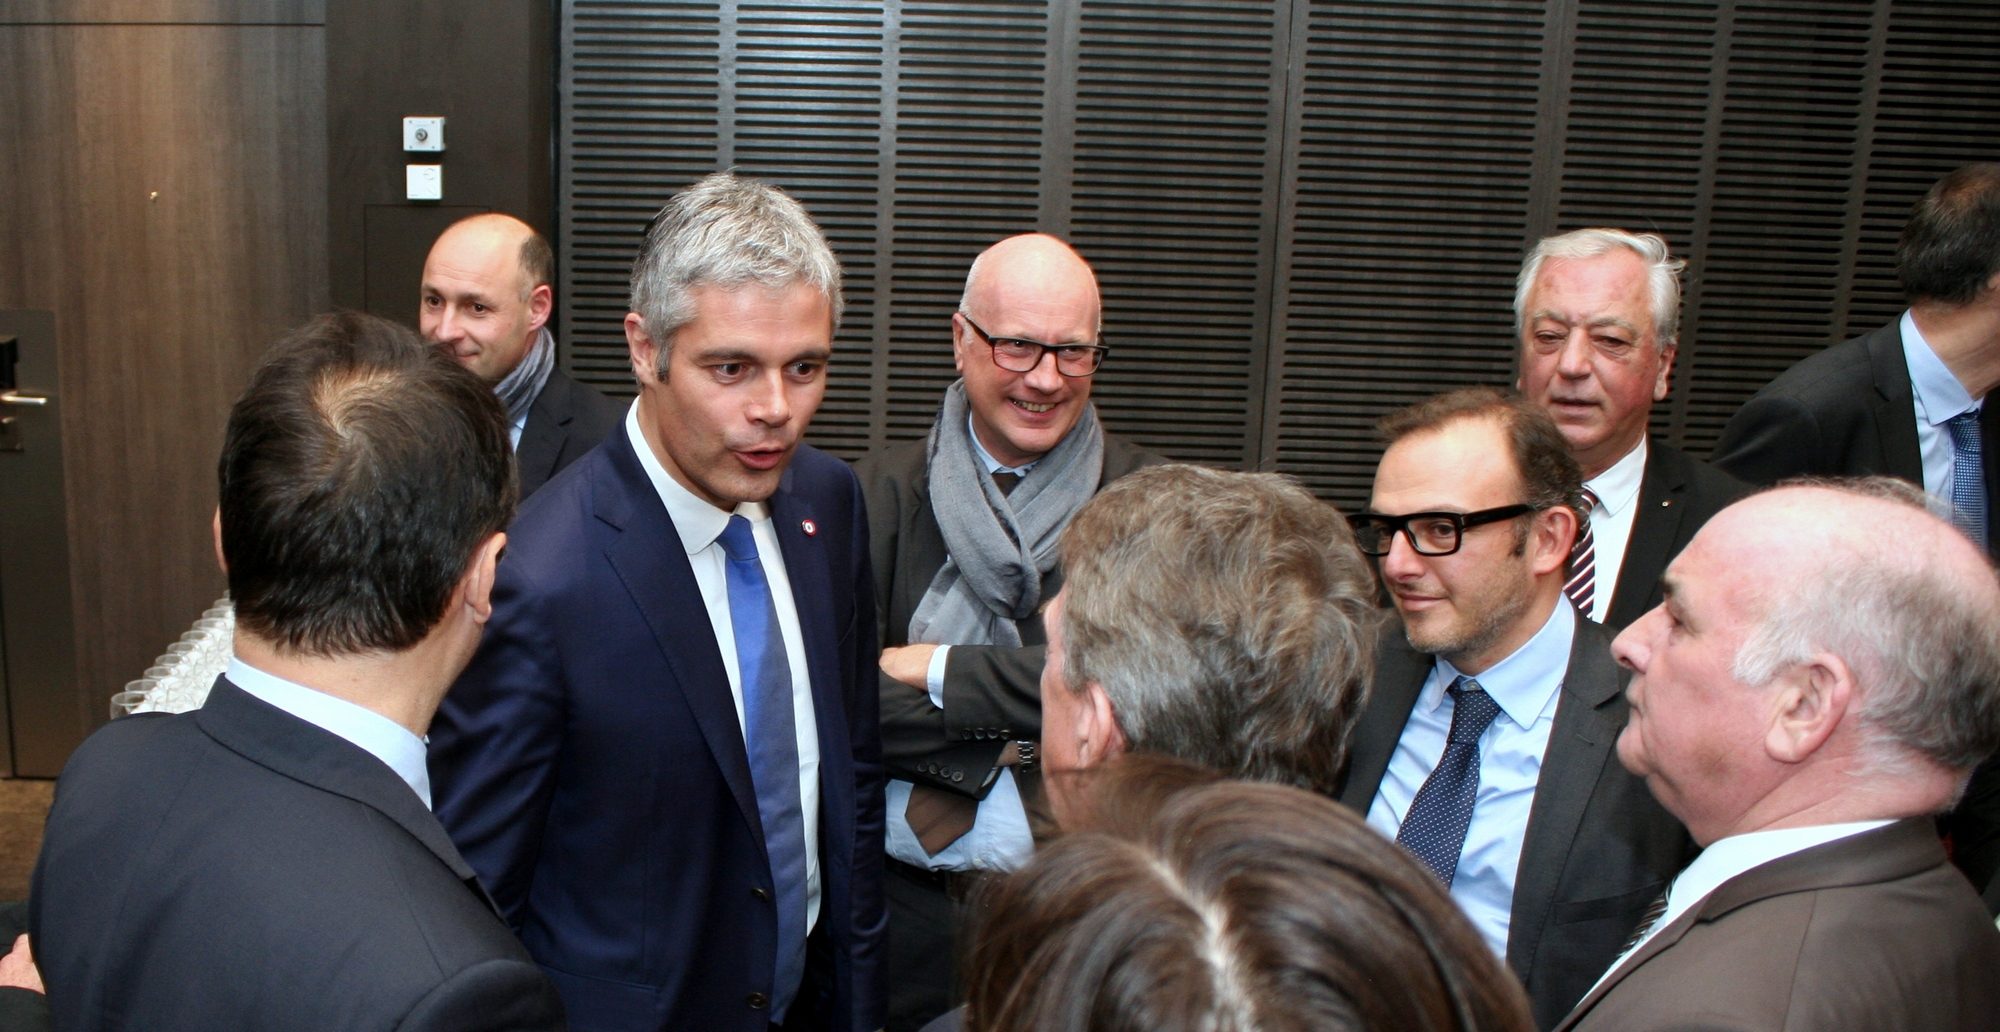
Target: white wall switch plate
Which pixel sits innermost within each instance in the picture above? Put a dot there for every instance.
(423, 133)
(424, 182)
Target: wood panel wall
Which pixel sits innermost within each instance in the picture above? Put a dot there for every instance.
(163, 193)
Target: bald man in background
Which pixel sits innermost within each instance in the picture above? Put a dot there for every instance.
(486, 300)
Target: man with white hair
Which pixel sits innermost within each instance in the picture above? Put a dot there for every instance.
(1818, 684)
(1598, 315)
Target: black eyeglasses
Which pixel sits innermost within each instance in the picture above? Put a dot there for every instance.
(1430, 533)
(1019, 355)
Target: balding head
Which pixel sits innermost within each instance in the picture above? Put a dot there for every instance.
(486, 292)
(1031, 287)
(1826, 652)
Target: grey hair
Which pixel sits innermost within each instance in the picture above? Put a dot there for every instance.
(1229, 618)
(1925, 651)
(1662, 273)
(726, 231)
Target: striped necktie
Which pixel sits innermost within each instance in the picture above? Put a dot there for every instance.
(1582, 586)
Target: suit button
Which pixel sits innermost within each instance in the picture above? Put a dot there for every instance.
(761, 893)
(758, 1001)
(958, 775)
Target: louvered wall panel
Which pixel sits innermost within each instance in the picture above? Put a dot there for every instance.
(1788, 165)
(1413, 172)
(1636, 151)
(1938, 107)
(641, 118)
(1174, 173)
(969, 170)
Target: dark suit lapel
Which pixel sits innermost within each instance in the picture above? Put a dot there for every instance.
(812, 587)
(268, 736)
(1399, 676)
(1893, 405)
(1589, 714)
(650, 562)
(1656, 526)
(542, 437)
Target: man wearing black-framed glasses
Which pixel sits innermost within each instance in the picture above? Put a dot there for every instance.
(963, 530)
(1486, 745)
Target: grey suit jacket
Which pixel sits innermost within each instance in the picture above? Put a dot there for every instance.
(239, 868)
(1866, 933)
(1598, 849)
(992, 694)
(567, 419)
(1677, 494)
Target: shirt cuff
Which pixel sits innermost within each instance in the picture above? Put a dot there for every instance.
(934, 677)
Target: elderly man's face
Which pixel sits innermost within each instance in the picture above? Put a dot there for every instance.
(1589, 356)
(744, 379)
(1693, 726)
(1019, 417)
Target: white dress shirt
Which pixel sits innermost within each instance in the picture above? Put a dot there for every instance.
(699, 524)
(382, 738)
(1617, 491)
(1526, 685)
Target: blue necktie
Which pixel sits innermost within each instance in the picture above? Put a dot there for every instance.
(1434, 829)
(1968, 476)
(771, 735)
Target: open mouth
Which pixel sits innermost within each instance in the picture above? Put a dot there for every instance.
(761, 459)
(1029, 406)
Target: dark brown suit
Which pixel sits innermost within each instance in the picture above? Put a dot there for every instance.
(1868, 933)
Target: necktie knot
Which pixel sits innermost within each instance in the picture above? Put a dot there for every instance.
(1472, 711)
(737, 540)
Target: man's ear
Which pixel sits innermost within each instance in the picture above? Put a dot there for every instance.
(541, 301)
(641, 348)
(1664, 381)
(1553, 534)
(220, 560)
(961, 341)
(1811, 701)
(1100, 739)
(477, 584)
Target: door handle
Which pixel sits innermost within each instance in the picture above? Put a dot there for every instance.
(25, 400)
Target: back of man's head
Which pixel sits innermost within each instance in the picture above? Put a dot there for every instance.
(360, 472)
(1950, 249)
(1228, 617)
(1862, 571)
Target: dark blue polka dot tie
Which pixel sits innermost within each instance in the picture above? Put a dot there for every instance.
(1434, 829)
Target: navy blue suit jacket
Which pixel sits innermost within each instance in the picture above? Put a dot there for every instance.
(589, 762)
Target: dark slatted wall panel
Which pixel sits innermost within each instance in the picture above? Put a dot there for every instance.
(1638, 151)
(1415, 157)
(1174, 173)
(1304, 213)
(1780, 225)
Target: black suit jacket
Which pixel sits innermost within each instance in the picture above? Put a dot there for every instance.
(1869, 932)
(992, 694)
(1677, 494)
(1846, 411)
(239, 868)
(1597, 848)
(567, 419)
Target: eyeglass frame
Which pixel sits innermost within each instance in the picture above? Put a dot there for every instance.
(1100, 350)
(1460, 522)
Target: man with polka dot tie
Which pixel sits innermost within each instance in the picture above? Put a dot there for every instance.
(1486, 747)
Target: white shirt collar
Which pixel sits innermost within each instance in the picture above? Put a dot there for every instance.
(696, 521)
(380, 737)
(1939, 395)
(1521, 683)
(1618, 486)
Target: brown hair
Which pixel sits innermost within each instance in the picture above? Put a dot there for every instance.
(1188, 903)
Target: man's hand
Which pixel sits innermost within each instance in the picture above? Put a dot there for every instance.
(910, 664)
(17, 969)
